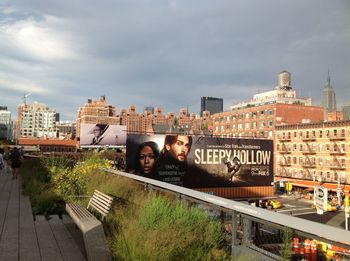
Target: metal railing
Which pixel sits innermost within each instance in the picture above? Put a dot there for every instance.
(302, 227)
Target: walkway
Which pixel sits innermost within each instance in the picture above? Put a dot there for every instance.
(22, 238)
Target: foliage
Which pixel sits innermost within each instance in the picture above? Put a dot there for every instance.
(35, 182)
(141, 225)
(285, 251)
(173, 232)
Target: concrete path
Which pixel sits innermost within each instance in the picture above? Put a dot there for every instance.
(23, 238)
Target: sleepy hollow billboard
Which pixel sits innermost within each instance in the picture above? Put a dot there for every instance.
(201, 162)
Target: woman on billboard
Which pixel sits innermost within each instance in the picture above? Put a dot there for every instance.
(146, 159)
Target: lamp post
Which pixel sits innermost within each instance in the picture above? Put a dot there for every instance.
(338, 192)
(346, 211)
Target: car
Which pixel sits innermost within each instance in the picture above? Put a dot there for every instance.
(274, 203)
(331, 208)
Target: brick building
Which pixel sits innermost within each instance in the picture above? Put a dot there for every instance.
(96, 111)
(259, 116)
(314, 153)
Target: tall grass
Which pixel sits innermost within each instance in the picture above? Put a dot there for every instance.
(142, 225)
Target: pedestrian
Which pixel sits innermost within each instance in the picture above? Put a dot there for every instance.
(2, 162)
(15, 158)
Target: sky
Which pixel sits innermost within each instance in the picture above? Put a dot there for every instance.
(169, 53)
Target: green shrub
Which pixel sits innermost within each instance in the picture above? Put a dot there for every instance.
(161, 230)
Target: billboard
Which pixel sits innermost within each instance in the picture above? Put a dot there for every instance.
(101, 135)
(200, 161)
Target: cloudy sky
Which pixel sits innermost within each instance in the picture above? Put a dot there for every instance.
(169, 53)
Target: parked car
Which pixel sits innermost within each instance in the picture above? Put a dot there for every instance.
(331, 207)
(274, 203)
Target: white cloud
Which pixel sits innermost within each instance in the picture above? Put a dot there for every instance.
(38, 40)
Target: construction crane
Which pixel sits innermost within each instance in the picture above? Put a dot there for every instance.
(25, 98)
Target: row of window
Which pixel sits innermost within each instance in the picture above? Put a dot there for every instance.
(259, 134)
(247, 115)
(312, 147)
(313, 134)
(314, 175)
(312, 161)
(245, 126)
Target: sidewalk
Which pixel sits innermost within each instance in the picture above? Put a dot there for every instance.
(22, 238)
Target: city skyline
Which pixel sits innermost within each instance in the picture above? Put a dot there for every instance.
(169, 53)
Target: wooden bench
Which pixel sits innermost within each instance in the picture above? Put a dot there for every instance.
(90, 226)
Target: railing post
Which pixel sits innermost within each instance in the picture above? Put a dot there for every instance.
(247, 231)
(234, 231)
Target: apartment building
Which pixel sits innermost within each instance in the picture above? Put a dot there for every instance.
(36, 120)
(314, 153)
(96, 111)
(5, 123)
(150, 123)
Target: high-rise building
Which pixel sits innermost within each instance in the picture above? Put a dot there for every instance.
(212, 104)
(149, 109)
(346, 111)
(5, 123)
(328, 98)
(36, 120)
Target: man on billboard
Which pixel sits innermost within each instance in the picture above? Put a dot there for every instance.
(98, 131)
(172, 162)
(176, 147)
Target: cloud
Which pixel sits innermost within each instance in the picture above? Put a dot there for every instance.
(11, 83)
(38, 40)
(169, 53)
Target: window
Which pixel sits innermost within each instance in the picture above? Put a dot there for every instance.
(300, 147)
(327, 161)
(320, 147)
(320, 133)
(343, 133)
(320, 161)
(254, 125)
(247, 115)
(270, 124)
(294, 160)
(270, 134)
(343, 163)
(270, 112)
(342, 147)
(278, 147)
(247, 125)
(300, 161)
(327, 147)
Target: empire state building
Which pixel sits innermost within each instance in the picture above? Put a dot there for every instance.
(328, 98)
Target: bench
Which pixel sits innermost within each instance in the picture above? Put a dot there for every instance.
(90, 226)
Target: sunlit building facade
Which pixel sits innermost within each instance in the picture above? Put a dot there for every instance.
(313, 154)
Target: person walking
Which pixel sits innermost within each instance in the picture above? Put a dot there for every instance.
(15, 158)
(2, 162)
